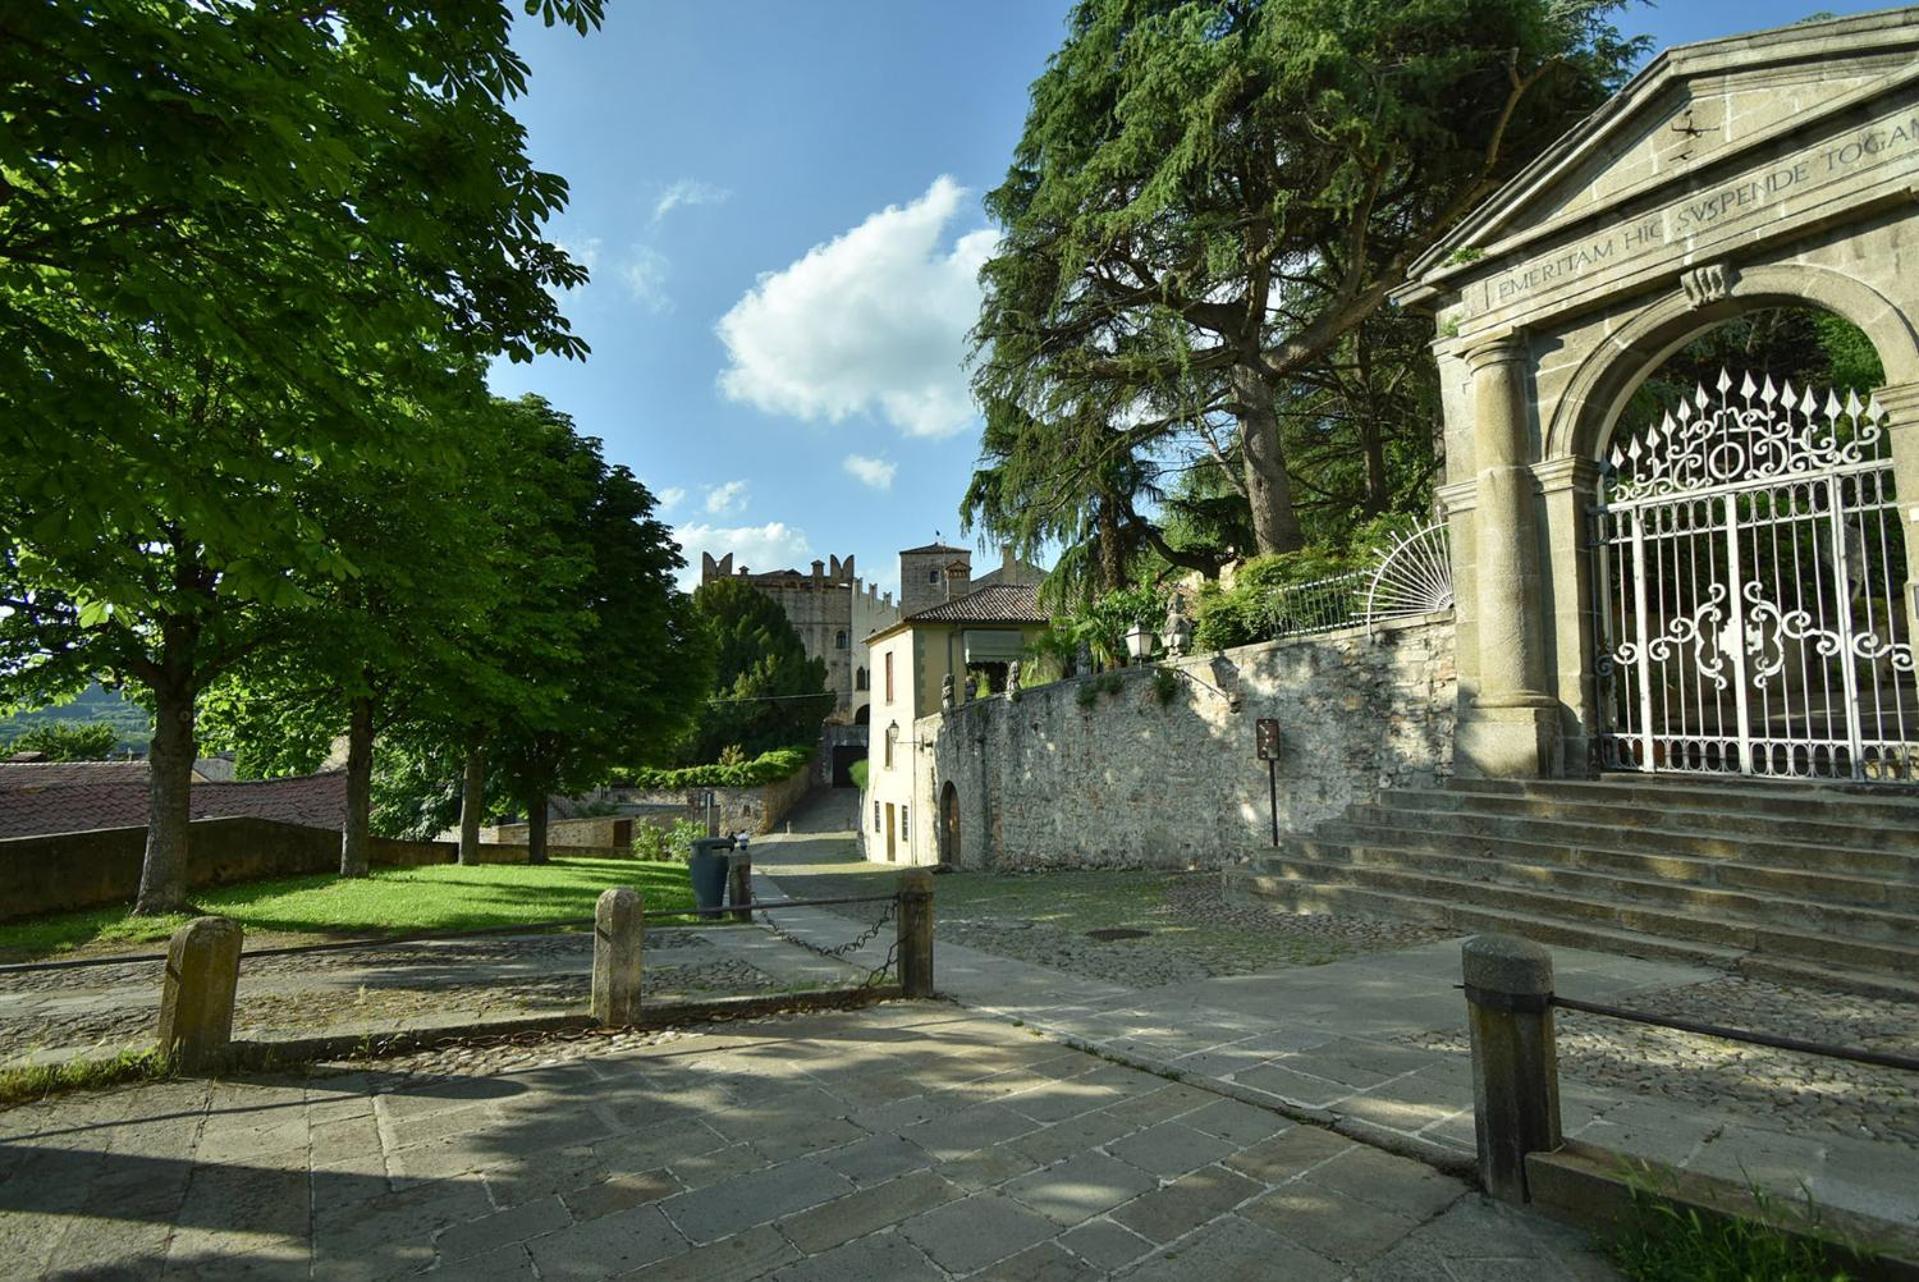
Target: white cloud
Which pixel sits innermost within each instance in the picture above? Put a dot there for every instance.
(773, 546)
(669, 498)
(688, 191)
(876, 472)
(727, 497)
(873, 321)
(644, 270)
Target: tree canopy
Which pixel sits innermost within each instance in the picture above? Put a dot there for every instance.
(249, 256)
(1203, 217)
(766, 692)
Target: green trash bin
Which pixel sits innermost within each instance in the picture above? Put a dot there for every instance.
(707, 869)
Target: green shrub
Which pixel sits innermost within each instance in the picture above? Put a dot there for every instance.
(768, 767)
(667, 845)
(1088, 693)
(1254, 608)
(1165, 685)
(1667, 1243)
(858, 772)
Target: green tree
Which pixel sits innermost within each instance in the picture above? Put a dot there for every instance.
(626, 691)
(66, 740)
(240, 246)
(1210, 195)
(766, 692)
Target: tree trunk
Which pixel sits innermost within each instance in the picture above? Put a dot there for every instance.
(1372, 441)
(163, 870)
(536, 829)
(1269, 486)
(472, 801)
(355, 834)
(1112, 560)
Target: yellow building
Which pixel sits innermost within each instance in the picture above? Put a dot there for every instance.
(972, 638)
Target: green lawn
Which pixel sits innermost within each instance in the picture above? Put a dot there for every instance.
(391, 901)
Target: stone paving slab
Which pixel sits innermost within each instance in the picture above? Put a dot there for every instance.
(1380, 1041)
(625, 1159)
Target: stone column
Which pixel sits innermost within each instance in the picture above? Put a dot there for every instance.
(1513, 731)
(196, 999)
(1901, 403)
(619, 936)
(1509, 985)
(1568, 488)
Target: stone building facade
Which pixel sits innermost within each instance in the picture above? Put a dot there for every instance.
(1072, 774)
(1773, 169)
(833, 611)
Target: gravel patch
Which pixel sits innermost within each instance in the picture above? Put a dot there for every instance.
(1801, 1094)
(1195, 930)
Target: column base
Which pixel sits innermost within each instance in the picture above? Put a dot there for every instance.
(1515, 742)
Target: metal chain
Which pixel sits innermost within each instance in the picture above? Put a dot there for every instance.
(840, 952)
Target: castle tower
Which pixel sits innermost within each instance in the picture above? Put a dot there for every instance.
(933, 575)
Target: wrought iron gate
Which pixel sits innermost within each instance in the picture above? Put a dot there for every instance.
(1750, 569)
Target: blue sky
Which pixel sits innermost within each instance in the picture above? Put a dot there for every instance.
(781, 212)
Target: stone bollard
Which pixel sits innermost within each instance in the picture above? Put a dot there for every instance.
(619, 936)
(1509, 983)
(916, 932)
(196, 1001)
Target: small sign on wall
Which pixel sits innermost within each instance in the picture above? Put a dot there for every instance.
(1266, 737)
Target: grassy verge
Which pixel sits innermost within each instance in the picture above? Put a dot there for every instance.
(20, 1085)
(1667, 1243)
(391, 901)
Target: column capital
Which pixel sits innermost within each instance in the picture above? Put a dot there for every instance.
(1559, 474)
(1504, 348)
(1901, 401)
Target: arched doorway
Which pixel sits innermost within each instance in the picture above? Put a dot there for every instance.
(949, 833)
(1748, 563)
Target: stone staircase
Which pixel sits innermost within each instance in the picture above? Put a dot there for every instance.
(1795, 883)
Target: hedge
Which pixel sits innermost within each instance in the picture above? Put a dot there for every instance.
(768, 767)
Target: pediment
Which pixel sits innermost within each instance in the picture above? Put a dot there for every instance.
(1695, 119)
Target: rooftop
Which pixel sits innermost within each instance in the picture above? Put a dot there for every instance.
(996, 603)
(935, 547)
(45, 801)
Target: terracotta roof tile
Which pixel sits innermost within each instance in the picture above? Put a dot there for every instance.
(31, 808)
(999, 603)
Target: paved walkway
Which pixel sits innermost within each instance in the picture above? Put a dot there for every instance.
(898, 1143)
(1377, 1045)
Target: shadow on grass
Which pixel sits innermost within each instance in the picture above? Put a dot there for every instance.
(390, 902)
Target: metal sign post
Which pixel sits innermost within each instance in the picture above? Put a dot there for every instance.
(1266, 740)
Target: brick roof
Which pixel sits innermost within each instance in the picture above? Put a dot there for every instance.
(999, 603)
(45, 804)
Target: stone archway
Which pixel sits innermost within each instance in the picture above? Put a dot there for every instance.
(1778, 167)
(950, 849)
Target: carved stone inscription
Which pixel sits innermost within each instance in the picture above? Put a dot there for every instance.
(1753, 198)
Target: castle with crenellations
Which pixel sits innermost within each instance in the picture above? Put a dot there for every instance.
(832, 610)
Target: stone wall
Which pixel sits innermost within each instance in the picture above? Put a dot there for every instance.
(595, 830)
(1131, 781)
(89, 869)
(753, 810)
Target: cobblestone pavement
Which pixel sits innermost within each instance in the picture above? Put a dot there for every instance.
(902, 1142)
(1378, 1041)
(379, 990)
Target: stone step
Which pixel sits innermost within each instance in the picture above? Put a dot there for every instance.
(1644, 840)
(1813, 829)
(1830, 803)
(1539, 870)
(1817, 885)
(1741, 935)
(1321, 897)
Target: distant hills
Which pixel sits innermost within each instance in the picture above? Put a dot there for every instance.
(95, 703)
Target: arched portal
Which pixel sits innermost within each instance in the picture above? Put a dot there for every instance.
(1747, 560)
(1766, 169)
(950, 851)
